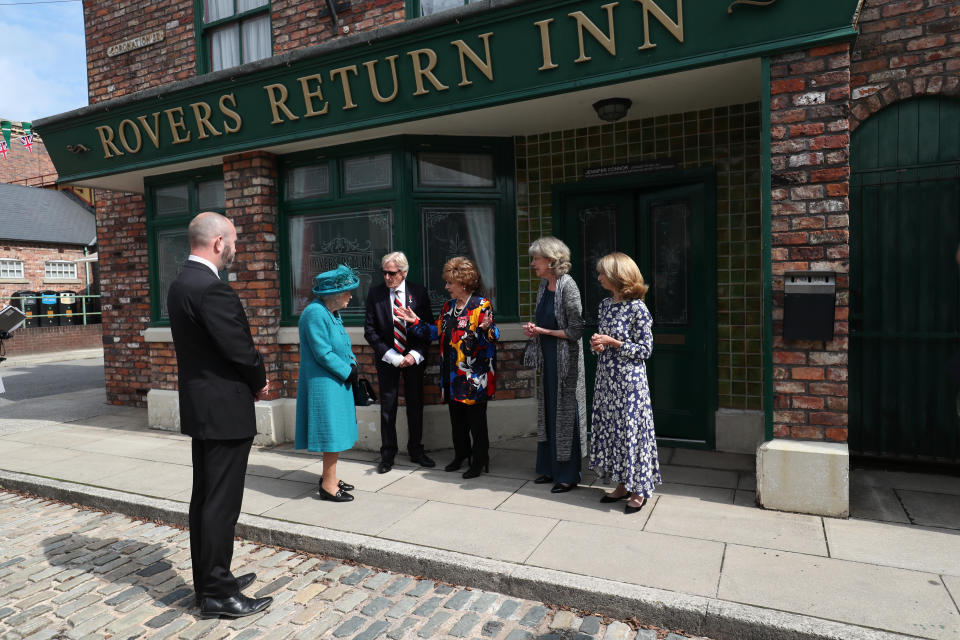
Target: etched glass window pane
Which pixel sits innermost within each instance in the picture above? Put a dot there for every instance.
(319, 243)
(256, 38)
(455, 169)
(368, 173)
(308, 182)
(172, 200)
(451, 231)
(669, 223)
(210, 195)
(214, 10)
(225, 47)
(433, 6)
(598, 237)
(173, 247)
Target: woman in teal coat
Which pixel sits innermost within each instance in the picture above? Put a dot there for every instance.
(326, 415)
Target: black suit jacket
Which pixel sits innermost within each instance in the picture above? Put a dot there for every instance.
(378, 323)
(220, 369)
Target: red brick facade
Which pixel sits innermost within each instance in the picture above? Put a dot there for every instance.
(810, 165)
(53, 340)
(34, 256)
(31, 168)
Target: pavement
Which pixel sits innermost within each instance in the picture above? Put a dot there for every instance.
(700, 556)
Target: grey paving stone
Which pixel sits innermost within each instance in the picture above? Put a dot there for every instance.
(373, 631)
(163, 619)
(11, 562)
(442, 589)
(339, 571)
(375, 606)
(326, 622)
(398, 586)
(429, 630)
(22, 617)
(464, 626)
(650, 634)
(422, 588)
(534, 616)
(273, 586)
(507, 609)
(199, 629)
(402, 629)
(519, 634)
(618, 631)
(590, 625)
(356, 577)
(6, 611)
(173, 596)
(153, 569)
(247, 634)
(93, 624)
(402, 607)
(458, 600)
(483, 603)
(491, 628)
(349, 627)
(378, 580)
(352, 601)
(427, 608)
(123, 596)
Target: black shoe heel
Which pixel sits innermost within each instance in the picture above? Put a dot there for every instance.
(455, 464)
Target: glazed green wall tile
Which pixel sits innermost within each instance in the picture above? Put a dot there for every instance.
(725, 138)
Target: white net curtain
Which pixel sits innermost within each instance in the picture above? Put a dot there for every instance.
(238, 42)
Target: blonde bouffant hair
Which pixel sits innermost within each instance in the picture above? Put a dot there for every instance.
(463, 272)
(624, 274)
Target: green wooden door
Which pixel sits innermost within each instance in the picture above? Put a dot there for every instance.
(668, 232)
(904, 294)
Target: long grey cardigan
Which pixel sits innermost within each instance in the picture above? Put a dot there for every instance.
(571, 386)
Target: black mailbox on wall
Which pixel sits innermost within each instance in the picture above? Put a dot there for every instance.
(809, 300)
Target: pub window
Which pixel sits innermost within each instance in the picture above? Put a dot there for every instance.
(172, 202)
(234, 32)
(60, 270)
(368, 173)
(311, 181)
(436, 169)
(458, 230)
(11, 269)
(428, 7)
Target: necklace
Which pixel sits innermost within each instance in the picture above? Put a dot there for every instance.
(458, 311)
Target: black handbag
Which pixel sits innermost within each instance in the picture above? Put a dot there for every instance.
(363, 394)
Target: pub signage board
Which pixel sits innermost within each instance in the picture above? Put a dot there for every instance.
(513, 52)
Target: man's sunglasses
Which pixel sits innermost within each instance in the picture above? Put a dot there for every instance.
(390, 273)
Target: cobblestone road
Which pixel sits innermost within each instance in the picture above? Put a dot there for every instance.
(78, 574)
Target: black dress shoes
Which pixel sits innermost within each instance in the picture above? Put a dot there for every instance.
(628, 509)
(383, 467)
(345, 486)
(543, 480)
(561, 487)
(339, 496)
(455, 464)
(423, 460)
(243, 582)
(608, 498)
(236, 606)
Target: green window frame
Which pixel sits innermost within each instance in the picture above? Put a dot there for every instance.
(204, 31)
(172, 201)
(415, 7)
(406, 199)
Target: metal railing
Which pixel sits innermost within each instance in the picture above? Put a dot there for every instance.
(68, 308)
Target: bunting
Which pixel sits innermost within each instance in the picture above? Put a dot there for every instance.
(3, 149)
(6, 128)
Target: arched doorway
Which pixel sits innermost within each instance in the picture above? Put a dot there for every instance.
(905, 290)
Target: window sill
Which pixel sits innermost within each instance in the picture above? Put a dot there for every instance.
(14, 281)
(60, 281)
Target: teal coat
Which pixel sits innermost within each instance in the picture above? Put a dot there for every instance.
(326, 415)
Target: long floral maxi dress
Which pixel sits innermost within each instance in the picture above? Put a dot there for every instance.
(623, 447)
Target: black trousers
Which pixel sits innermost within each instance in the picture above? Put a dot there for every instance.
(468, 420)
(219, 468)
(389, 377)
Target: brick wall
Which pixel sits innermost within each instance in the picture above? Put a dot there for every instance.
(125, 284)
(810, 223)
(905, 48)
(53, 339)
(296, 25)
(34, 256)
(30, 168)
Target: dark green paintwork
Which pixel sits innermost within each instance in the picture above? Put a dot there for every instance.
(905, 291)
(711, 35)
(682, 369)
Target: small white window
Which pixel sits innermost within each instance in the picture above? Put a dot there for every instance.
(11, 269)
(60, 270)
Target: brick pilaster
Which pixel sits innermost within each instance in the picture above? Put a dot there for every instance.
(810, 141)
(250, 188)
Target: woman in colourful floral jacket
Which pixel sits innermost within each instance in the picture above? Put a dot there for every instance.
(468, 374)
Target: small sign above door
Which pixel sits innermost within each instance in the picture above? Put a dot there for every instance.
(629, 169)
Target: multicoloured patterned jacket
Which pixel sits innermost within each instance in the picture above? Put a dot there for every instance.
(468, 370)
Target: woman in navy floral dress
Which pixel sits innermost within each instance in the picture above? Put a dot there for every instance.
(623, 446)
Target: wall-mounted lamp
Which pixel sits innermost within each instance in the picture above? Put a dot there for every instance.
(612, 109)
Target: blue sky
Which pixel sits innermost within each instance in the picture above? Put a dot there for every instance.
(43, 59)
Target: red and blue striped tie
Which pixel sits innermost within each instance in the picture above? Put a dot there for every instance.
(399, 329)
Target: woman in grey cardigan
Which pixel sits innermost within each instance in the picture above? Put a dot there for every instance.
(556, 349)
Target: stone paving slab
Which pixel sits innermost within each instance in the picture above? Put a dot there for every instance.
(909, 602)
(126, 606)
(486, 492)
(360, 474)
(931, 509)
(580, 505)
(904, 546)
(370, 513)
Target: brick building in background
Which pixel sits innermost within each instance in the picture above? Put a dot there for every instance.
(786, 176)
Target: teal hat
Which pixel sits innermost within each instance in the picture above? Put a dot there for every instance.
(336, 280)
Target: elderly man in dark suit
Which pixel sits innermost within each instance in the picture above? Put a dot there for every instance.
(220, 376)
(398, 355)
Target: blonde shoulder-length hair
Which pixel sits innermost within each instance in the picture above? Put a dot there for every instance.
(624, 274)
(554, 250)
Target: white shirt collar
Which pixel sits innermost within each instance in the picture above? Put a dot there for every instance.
(400, 289)
(212, 266)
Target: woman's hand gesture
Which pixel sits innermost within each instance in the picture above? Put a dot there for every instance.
(407, 315)
(530, 330)
(600, 342)
(487, 320)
